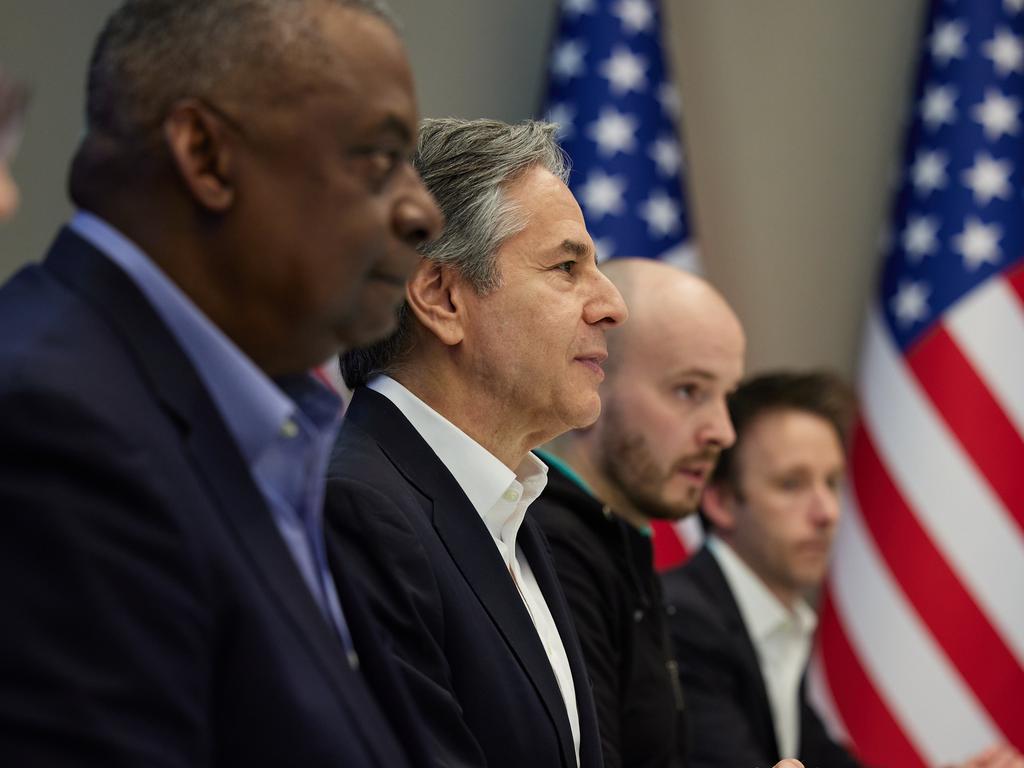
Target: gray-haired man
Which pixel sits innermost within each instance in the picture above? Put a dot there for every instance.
(499, 349)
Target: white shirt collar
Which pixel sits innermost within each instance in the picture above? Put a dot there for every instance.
(782, 639)
(499, 495)
(501, 498)
(763, 613)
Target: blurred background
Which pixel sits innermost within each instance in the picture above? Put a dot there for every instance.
(792, 123)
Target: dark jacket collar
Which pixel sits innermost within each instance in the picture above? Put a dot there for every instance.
(216, 458)
(708, 576)
(472, 549)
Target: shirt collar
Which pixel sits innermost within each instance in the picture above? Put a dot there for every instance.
(254, 408)
(480, 474)
(563, 466)
(763, 613)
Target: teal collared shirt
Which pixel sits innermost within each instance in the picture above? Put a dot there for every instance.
(558, 463)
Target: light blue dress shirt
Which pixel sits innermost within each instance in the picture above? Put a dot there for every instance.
(285, 430)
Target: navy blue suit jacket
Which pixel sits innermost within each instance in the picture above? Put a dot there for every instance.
(152, 613)
(471, 655)
(726, 698)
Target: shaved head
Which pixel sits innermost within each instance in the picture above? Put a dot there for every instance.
(664, 418)
(659, 295)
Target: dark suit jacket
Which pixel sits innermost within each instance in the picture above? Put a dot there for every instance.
(153, 615)
(471, 655)
(731, 719)
(606, 569)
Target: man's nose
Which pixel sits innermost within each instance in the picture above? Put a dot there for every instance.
(607, 306)
(417, 218)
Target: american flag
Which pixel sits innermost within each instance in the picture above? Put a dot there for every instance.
(616, 109)
(922, 627)
(617, 112)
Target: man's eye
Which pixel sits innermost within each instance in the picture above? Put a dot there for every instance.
(381, 163)
(566, 266)
(687, 391)
(790, 483)
(386, 161)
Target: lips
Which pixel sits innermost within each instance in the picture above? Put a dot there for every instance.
(698, 472)
(699, 466)
(815, 547)
(593, 361)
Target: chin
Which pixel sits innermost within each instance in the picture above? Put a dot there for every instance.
(669, 510)
(367, 331)
(587, 414)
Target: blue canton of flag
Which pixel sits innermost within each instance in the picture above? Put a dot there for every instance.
(616, 111)
(958, 214)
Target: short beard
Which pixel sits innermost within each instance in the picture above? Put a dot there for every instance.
(628, 463)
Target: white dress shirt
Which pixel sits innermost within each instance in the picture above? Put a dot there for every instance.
(782, 639)
(501, 497)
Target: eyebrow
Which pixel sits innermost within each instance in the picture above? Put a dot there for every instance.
(699, 373)
(575, 247)
(392, 124)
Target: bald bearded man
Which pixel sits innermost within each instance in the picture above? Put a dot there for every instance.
(663, 423)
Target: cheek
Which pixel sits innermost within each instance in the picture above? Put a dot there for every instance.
(772, 524)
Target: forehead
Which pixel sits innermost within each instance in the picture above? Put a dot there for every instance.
(678, 336)
(781, 439)
(363, 68)
(552, 218)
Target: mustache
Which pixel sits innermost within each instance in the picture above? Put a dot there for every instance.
(704, 457)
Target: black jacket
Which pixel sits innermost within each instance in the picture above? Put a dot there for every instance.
(471, 655)
(728, 702)
(607, 572)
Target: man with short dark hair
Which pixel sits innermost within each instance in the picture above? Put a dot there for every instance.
(499, 348)
(245, 208)
(741, 625)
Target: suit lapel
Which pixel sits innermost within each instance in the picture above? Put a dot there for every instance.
(214, 453)
(709, 576)
(471, 547)
(538, 554)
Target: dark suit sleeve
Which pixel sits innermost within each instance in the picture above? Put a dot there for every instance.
(720, 735)
(379, 548)
(596, 611)
(103, 654)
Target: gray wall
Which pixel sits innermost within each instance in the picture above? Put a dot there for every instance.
(792, 112)
(47, 44)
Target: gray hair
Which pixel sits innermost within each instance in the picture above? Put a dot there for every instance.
(152, 53)
(467, 165)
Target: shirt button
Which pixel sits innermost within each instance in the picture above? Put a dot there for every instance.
(510, 495)
(289, 429)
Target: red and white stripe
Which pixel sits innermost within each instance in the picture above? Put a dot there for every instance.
(674, 542)
(921, 646)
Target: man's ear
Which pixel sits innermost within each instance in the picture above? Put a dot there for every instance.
(434, 295)
(719, 506)
(200, 145)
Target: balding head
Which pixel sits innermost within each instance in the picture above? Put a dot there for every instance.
(665, 303)
(664, 417)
